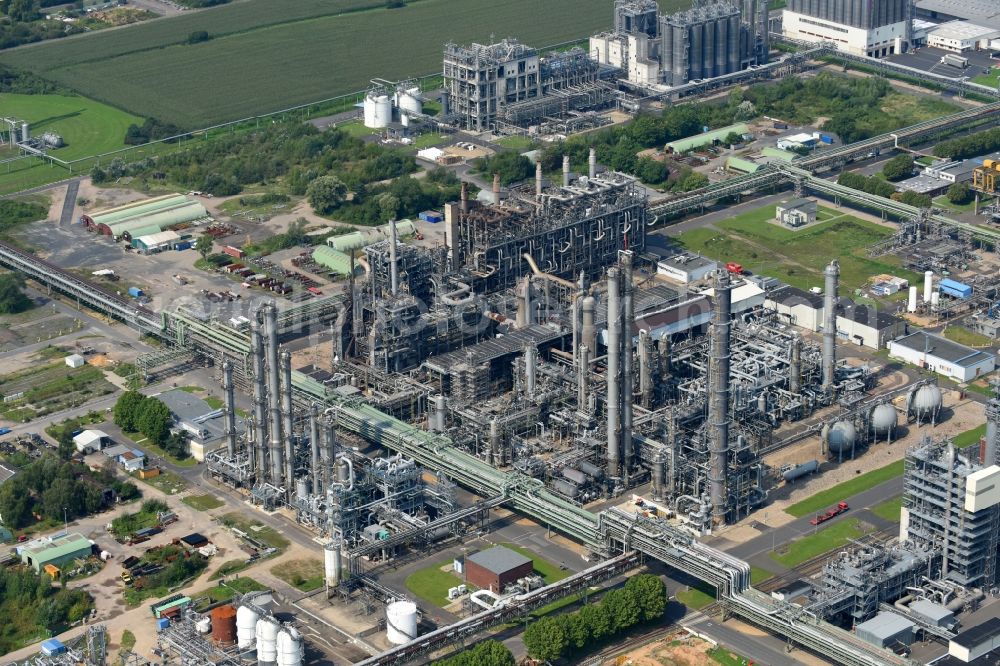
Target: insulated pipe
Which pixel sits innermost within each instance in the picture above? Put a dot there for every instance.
(565, 170)
(575, 313)
(393, 260)
(317, 471)
(530, 370)
(496, 189)
(538, 180)
(645, 369)
(592, 164)
(273, 392)
(628, 382)
(259, 398)
(588, 332)
(795, 365)
(286, 380)
(614, 372)
(718, 397)
(582, 378)
(227, 388)
(831, 275)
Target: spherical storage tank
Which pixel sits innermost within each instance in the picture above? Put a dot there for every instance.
(246, 627)
(224, 624)
(289, 644)
(401, 622)
(267, 641)
(841, 437)
(409, 100)
(925, 402)
(883, 420)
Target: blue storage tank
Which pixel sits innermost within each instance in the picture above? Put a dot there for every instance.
(162, 623)
(954, 289)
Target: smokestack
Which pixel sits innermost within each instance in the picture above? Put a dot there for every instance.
(592, 164)
(286, 380)
(273, 391)
(718, 397)
(464, 205)
(628, 382)
(614, 372)
(393, 260)
(588, 333)
(565, 170)
(227, 388)
(831, 274)
(795, 365)
(259, 397)
(658, 484)
(317, 470)
(496, 189)
(646, 369)
(538, 180)
(928, 286)
(583, 379)
(530, 360)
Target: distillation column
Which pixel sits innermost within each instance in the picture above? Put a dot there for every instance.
(831, 274)
(718, 398)
(795, 365)
(393, 260)
(273, 392)
(317, 473)
(646, 369)
(565, 171)
(530, 369)
(614, 372)
(227, 388)
(588, 330)
(259, 396)
(582, 379)
(628, 384)
(286, 382)
(330, 449)
(592, 164)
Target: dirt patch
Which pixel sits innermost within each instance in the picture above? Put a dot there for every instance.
(678, 649)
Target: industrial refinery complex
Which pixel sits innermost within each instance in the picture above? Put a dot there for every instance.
(612, 326)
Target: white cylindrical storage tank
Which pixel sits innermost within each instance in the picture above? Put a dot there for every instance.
(928, 285)
(246, 627)
(383, 111)
(289, 646)
(204, 625)
(331, 563)
(409, 100)
(404, 120)
(25, 135)
(401, 622)
(267, 641)
(301, 488)
(911, 303)
(369, 110)
(935, 299)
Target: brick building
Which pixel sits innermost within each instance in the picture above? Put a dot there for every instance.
(496, 568)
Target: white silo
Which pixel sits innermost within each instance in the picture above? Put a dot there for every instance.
(409, 100)
(383, 111)
(401, 622)
(935, 299)
(246, 627)
(928, 285)
(267, 641)
(369, 109)
(911, 303)
(290, 649)
(25, 135)
(332, 563)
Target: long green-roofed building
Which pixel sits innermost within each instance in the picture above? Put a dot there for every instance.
(334, 260)
(146, 217)
(56, 551)
(706, 138)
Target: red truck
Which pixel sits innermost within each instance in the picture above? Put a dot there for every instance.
(734, 268)
(830, 513)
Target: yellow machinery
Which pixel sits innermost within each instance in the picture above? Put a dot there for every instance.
(987, 177)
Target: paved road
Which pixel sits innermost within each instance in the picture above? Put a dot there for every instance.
(761, 649)
(69, 203)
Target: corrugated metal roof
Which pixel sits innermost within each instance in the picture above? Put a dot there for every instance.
(191, 210)
(57, 547)
(885, 625)
(740, 164)
(335, 260)
(160, 238)
(136, 208)
(498, 559)
(682, 145)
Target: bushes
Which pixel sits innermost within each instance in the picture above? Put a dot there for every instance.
(511, 165)
(960, 193)
(643, 599)
(12, 298)
(979, 143)
(872, 185)
(30, 607)
(151, 130)
(135, 412)
(484, 653)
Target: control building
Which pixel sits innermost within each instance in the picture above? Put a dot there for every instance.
(874, 28)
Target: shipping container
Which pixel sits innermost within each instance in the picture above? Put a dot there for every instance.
(826, 139)
(184, 245)
(431, 216)
(780, 125)
(134, 292)
(234, 251)
(162, 623)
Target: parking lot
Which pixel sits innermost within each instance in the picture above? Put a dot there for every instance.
(928, 59)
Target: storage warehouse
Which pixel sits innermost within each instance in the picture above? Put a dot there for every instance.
(867, 327)
(333, 260)
(797, 307)
(164, 240)
(496, 568)
(943, 356)
(56, 551)
(886, 630)
(959, 36)
(706, 139)
(141, 218)
(91, 440)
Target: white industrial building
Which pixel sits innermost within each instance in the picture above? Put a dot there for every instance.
(874, 41)
(89, 441)
(796, 213)
(959, 36)
(943, 356)
(797, 307)
(686, 267)
(867, 327)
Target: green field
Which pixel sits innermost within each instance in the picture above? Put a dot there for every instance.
(964, 336)
(202, 502)
(293, 52)
(303, 575)
(889, 509)
(823, 541)
(431, 583)
(797, 257)
(969, 437)
(827, 498)
(87, 127)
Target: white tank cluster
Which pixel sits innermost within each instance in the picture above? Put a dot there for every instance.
(383, 104)
(267, 641)
(246, 628)
(401, 622)
(290, 648)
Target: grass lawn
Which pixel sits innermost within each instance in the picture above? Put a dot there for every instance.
(203, 502)
(926, 160)
(214, 402)
(759, 574)
(303, 575)
(964, 336)
(431, 583)
(889, 509)
(547, 570)
(827, 498)
(228, 568)
(992, 79)
(697, 598)
(166, 481)
(227, 591)
(429, 139)
(721, 655)
(797, 257)
(143, 442)
(260, 532)
(516, 142)
(942, 202)
(969, 437)
(823, 541)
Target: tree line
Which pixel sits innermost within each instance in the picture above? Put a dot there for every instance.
(972, 145)
(642, 599)
(483, 653)
(879, 187)
(30, 605)
(135, 412)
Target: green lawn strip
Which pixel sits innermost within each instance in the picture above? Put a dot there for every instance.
(260, 532)
(516, 142)
(823, 541)
(827, 498)
(697, 597)
(942, 202)
(431, 583)
(228, 568)
(723, 656)
(226, 591)
(203, 502)
(214, 402)
(547, 570)
(146, 445)
(969, 437)
(889, 509)
(759, 574)
(964, 336)
(303, 575)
